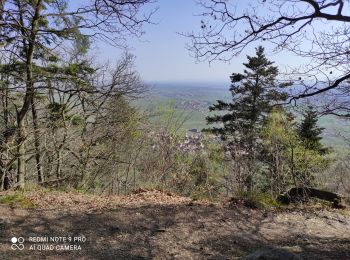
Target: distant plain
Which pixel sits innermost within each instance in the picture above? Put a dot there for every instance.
(192, 100)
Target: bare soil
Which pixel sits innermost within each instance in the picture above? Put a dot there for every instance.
(158, 225)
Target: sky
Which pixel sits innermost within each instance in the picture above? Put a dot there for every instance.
(161, 54)
(165, 57)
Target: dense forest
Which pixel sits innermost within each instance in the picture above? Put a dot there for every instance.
(70, 123)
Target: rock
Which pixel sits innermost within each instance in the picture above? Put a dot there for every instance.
(303, 194)
(271, 253)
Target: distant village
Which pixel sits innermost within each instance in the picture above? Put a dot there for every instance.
(193, 141)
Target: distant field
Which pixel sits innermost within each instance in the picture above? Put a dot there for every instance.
(193, 99)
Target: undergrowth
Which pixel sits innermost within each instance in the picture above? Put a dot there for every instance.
(16, 200)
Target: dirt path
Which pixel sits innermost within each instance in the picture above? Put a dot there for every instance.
(175, 231)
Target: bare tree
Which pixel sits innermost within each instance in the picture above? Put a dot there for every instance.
(317, 30)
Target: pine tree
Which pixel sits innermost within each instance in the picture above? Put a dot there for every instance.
(309, 132)
(254, 93)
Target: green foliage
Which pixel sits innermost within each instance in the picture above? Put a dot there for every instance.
(43, 22)
(207, 168)
(288, 161)
(77, 120)
(199, 171)
(259, 200)
(307, 164)
(309, 132)
(52, 68)
(16, 200)
(82, 43)
(253, 95)
(72, 69)
(264, 200)
(53, 58)
(82, 190)
(56, 112)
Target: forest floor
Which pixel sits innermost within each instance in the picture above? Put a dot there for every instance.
(158, 225)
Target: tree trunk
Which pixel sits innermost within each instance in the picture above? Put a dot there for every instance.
(28, 98)
(21, 155)
(39, 168)
(58, 169)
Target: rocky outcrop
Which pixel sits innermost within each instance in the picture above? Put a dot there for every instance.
(303, 194)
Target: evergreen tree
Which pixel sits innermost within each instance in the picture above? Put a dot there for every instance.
(240, 122)
(254, 93)
(309, 132)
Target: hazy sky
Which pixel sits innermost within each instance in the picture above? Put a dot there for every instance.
(161, 55)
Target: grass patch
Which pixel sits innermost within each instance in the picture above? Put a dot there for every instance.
(81, 190)
(16, 200)
(257, 200)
